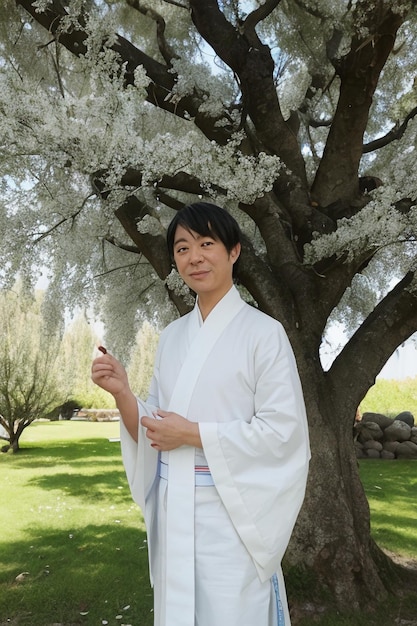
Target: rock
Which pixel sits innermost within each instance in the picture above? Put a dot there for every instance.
(368, 431)
(373, 445)
(378, 436)
(398, 431)
(389, 456)
(391, 446)
(406, 417)
(373, 454)
(378, 418)
(407, 450)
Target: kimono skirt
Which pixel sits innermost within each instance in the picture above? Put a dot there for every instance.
(227, 586)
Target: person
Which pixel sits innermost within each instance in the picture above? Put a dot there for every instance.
(217, 457)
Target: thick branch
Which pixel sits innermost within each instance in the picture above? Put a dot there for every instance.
(257, 277)
(153, 247)
(180, 182)
(359, 71)
(392, 321)
(275, 229)
(130, 58)
(260, 14)
(252, 63)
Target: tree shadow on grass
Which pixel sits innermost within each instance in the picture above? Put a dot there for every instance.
(71, 465)
(105, 485)
(395, 529)
(69, 451)
(391, 488)
(96, 574)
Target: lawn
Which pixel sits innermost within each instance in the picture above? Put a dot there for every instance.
(391, 489)
(71, 532)
(67, 518)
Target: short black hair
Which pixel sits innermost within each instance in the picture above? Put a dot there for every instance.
(208, 220)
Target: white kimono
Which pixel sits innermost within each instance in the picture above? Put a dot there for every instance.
(234, 374)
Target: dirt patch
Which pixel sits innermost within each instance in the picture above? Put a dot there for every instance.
(404, 561)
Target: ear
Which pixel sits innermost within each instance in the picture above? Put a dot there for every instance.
(235, 252)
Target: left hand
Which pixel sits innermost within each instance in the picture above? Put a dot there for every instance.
(170, 432)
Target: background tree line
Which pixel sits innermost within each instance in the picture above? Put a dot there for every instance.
(47, 376)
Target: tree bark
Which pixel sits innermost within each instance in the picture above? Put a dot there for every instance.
(331, 545)
(337, 175)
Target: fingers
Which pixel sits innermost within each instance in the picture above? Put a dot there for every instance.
(164, 434)
(148, 422)
(108, 373)
(106, 362)
(101, 367)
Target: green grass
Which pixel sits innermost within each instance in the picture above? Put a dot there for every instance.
(391, 489)
(391, 397)
(68, 519)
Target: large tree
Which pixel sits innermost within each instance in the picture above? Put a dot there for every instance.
(296, 115)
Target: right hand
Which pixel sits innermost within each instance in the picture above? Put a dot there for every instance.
(109, 374)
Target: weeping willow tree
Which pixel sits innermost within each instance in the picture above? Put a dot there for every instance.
(298, 116)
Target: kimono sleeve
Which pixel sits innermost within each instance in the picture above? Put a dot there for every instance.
(140, 460)
(260, 466)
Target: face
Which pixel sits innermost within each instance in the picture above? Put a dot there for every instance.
(203, 263)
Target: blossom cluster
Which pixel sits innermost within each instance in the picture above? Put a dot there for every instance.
(175, 283)
(72, 132)
(378, 225)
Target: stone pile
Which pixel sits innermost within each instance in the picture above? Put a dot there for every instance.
(100, 415)
(377, 436)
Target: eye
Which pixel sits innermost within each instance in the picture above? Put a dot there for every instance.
(205, 244)
(180, 250)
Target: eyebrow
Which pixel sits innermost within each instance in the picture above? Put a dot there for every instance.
(185, 240)
(181, 240)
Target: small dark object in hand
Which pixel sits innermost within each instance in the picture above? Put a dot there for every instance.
(102, 349)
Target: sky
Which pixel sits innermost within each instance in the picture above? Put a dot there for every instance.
(403, 363)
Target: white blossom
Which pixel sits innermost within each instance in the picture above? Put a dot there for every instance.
(174, 282)
(68, 122)
(150, 225)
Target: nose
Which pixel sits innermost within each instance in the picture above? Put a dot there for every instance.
(196, 255)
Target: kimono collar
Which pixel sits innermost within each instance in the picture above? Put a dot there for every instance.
(230, 299)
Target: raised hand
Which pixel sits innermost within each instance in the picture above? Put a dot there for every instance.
(109, 374)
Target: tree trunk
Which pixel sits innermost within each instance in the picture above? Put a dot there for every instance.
(14, 441)
(332, 560)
